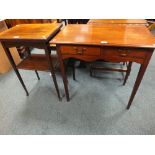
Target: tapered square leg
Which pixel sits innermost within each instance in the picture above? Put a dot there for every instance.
(63, 73)
(47, 52)
(139, 78)
(7, 51)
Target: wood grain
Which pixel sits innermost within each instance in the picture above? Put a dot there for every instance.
(106, 35)
(30, 32)
(38, 62)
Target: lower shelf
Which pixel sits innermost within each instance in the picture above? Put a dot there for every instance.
(38, 62)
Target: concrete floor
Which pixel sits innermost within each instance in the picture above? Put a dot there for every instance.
(97, 105)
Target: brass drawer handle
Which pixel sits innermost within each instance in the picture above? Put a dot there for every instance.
(75, 48)
(79, 51)
(84, 49)
(123, 54)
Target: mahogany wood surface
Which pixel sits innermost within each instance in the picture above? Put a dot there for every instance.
(30, 32)
(106, 35)
(38, 62)
(14, 22)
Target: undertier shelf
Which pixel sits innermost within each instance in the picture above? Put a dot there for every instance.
(38, 62)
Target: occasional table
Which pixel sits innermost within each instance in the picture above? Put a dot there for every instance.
(31, 35)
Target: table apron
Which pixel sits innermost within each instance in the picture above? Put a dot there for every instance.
(10, 44)
(113, 54)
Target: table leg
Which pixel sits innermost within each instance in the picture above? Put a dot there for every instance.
(37, 74)
(29, 54)
(139, 78)
(73, 69)
(47, 52)
(63, 73)
(7, 51)
(90, 70)
(128, 72)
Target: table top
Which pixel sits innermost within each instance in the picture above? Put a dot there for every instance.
(30, 32)
(106, 35)
(117, 21)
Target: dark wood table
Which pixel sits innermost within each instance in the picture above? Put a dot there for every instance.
(118, 21)
(31, 35)
(115, 43)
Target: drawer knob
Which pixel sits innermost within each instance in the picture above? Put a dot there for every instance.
(83, 49)
(79, 52)
(123, 54)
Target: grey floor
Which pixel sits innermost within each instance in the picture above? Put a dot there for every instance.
(97, 105)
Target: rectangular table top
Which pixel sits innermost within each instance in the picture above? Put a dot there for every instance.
(30, 32)
(117, 21)
(106, 35)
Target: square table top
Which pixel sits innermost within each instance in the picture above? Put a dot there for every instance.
(106, 35)
(30, 32)
(117, 21)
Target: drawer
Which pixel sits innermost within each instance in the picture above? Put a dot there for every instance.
(80, 50)
(124, 52)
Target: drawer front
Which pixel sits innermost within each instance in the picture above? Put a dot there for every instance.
(81, 50)
(124, 53)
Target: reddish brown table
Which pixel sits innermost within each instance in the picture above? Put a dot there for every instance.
(31, 35)
(118, 43)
